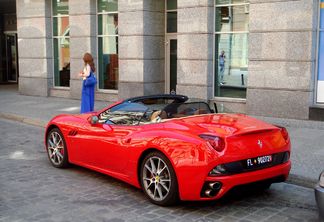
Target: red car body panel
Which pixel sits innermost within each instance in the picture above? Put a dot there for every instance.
(116, 150)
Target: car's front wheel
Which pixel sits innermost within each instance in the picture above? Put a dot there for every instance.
(158, 179)
(56, 149)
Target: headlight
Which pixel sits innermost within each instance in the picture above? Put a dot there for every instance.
(321, 179)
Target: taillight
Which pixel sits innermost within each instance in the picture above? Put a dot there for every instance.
(214, 141)
(284, 132)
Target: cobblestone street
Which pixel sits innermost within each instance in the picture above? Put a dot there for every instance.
(33, 190)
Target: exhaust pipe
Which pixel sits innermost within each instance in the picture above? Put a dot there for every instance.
(207, 192)
(210, 193)
(210, 189)
(215, 185)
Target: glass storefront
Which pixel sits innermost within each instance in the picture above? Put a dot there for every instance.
(61, 42)
(320, 75)
(108, 44)
(231, 48)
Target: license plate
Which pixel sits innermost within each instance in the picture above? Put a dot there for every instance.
(258, 161)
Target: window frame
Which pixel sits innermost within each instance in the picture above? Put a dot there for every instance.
(58, 37)
(112, 91)
(317, 62)
(222, 98)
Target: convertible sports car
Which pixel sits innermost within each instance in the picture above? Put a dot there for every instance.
(171, 148)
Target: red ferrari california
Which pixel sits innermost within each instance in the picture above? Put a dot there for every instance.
(171, 148)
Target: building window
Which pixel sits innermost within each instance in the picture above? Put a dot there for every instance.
(171, 20)
(320, 72)
(171, 16)
(231, 48)
(108, 44)
(61, 42)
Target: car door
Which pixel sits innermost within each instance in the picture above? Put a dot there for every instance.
(104, 146)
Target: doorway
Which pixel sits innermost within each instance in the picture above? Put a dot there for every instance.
(11, 63)
(171, 65)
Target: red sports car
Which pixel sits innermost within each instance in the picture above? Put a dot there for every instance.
(171, 148)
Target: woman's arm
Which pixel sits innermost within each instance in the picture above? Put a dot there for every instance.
(85, 72)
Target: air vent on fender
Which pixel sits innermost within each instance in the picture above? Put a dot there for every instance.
(73, 133)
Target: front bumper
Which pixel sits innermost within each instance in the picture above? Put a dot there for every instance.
(230, 181)
(319, 196)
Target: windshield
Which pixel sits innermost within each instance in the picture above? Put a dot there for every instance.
(146, 112)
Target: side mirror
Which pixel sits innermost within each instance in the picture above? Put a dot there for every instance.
(93, 120)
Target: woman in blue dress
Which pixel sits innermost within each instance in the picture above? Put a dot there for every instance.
(88, 84)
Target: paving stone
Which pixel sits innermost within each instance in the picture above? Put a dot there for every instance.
(240, 214)
(229, 219)
(265, 212)
(204, 220)
(167, 217)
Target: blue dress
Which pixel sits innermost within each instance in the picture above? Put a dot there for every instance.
(88, 93)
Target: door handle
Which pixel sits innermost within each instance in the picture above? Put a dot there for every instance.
(127, 140)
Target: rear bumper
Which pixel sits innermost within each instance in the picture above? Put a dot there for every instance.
(319, 196)
(228, 182)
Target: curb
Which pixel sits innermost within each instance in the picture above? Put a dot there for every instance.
(301, 181)
(292, 179)
(22, 119)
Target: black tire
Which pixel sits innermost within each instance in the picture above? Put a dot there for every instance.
(172, 196)
(56, 150)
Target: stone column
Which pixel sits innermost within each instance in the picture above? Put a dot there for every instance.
(34, 47)
(141, 47)
(281, 58)
(195, 48)
(82, 39)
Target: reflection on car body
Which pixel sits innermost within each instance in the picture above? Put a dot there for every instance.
(171, 148)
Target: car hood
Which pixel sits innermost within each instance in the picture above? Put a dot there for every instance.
(223, 125)
(64, 117)
(85, 115)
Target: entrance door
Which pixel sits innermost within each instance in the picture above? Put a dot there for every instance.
(11, 57)
(171, 65)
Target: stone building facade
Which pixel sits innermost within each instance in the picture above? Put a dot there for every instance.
(143, 47)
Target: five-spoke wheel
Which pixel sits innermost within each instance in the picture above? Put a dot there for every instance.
(56, 148)
(158, 179)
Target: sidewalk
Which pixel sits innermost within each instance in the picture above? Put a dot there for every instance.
(36, 110)
(307, 137)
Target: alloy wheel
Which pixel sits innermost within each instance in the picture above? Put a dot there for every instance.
(156, 178)
(55, 147)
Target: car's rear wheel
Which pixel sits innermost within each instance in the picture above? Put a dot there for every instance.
(56, 149)
(159, 180)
